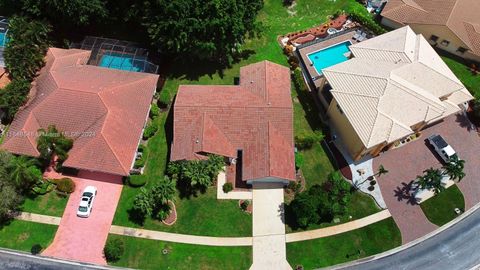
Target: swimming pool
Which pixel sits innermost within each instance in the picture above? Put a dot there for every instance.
(122, 62)
(3, 39)
(329, 56)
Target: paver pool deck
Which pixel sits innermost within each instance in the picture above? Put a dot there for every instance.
(83, 239)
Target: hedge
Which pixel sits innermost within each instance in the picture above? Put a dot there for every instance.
(137, 180)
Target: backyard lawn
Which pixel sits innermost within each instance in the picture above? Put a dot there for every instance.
(440, 209)
(147, 254)
(23, 235)
(472, 82)
(353, 245)
(361, 205)
(49, 204)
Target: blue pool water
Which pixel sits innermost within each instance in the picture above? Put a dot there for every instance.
(3, 39)
(329, 56)
(122, 62)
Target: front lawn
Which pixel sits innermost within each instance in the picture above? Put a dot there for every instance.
(147, 254)
(440, 208)
(472, 82)
(202, 215)
(23, 235)
(361, 205)
(375, 238)
(49, 204)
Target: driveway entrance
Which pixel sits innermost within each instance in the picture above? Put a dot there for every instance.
(83, 239)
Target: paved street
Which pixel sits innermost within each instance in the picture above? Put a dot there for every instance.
(456, 248)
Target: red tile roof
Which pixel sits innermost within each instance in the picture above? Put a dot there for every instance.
(255, 116)
(103, 110)
(460, 16)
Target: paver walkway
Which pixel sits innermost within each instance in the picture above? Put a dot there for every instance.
(83, 239)
(269, 248)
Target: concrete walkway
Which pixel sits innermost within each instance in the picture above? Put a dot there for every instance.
(232, 195)
(220, 241)
(269, 247)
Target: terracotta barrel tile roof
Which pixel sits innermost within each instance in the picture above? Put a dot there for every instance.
(255, 116)
(103, 110)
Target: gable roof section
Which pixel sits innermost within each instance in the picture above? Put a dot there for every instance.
(103, 110)
(460, 16)
(255, 117)
(383, 95)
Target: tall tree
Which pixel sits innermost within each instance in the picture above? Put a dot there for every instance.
(71, 12)
(24, 172)
(53, 142)
(211, 29)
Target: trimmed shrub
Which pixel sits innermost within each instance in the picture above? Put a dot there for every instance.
(141, 148)
(43, 187)
(139, 163)
(150, 130)
(227, 187)
(65, 185)
(164, 100)
(114, 249)
(244, 205)
(307, 141)
(154, 111)
(299, 160)
(137, 180)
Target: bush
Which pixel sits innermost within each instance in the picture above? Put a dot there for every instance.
(13, 96)
(154, 111)
(139, 163)
(65, 185)
(137, 180)
(164, 100)
(244, 205)
(307, 141)
(366, 20)
(141, 148)
(150, 130)
(297, 79)
(294, 62)
(114, 249)
(227, 187)
(43, 187)
(295, 186)
(299, 160)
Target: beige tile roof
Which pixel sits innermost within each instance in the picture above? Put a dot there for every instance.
(460, 16)
(395, 81)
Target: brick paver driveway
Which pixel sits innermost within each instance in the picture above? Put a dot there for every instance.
(83, 239)
(408, 161)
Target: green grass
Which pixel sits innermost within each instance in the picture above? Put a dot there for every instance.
(23, 235)
(440, 208)
(49, 204)
(147, 254)
(201, 215)
(361, 205)
(472, 82)
(352, 245)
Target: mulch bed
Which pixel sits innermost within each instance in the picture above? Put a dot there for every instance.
(172, 218)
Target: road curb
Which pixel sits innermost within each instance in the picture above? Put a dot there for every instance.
(60, 261)
(408, 245)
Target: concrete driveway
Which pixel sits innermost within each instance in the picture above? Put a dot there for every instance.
(83, 239)
(269, 249)
(408, 161)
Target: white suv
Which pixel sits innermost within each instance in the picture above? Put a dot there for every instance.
(86, 202)
(443, 149)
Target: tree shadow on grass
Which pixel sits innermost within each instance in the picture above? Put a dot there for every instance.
(136, 217)
(187, 191)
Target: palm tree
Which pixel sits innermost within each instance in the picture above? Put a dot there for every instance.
(431, 179)
(164, 191)
(454, 168)
(381, 170)
(24, 172)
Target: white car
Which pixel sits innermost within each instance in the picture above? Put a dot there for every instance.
(86, 202)
(443, 149)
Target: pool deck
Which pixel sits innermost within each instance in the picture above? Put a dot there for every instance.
(303, 52)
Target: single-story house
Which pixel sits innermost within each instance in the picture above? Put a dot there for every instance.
(250, 124)
(393, 87)
(451, 25)
(103, 110)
